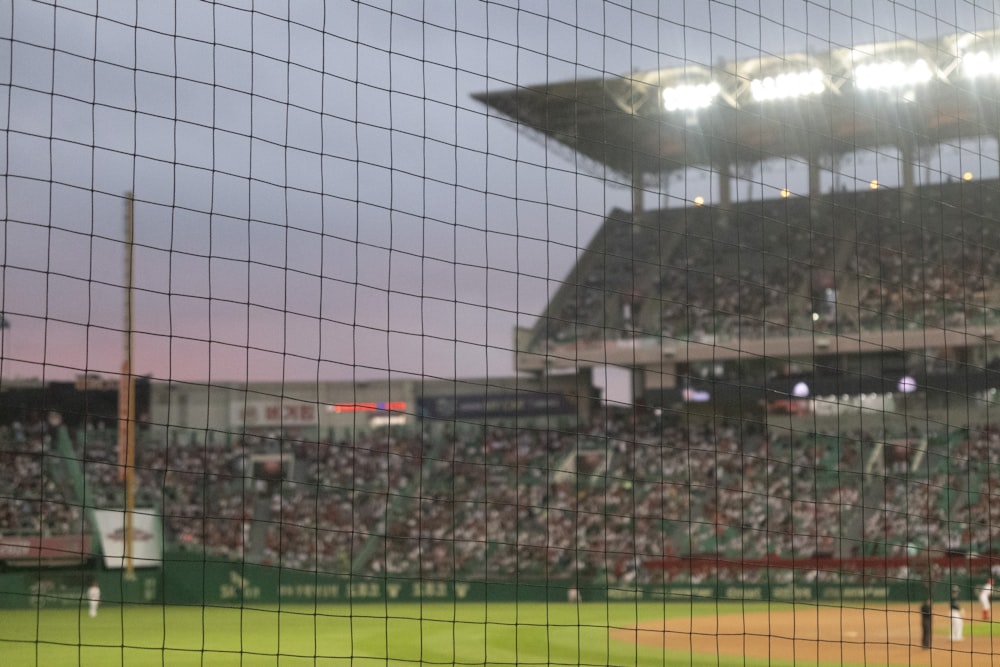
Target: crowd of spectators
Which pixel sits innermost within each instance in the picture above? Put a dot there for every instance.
(34, 498)
(498, 503)
(978, 462)
(200, 488)
(728, 278)
(838, 262)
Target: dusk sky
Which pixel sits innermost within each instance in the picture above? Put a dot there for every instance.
(317, 193)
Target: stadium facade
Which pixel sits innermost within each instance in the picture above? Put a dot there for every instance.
(871, 285)
(333, 409)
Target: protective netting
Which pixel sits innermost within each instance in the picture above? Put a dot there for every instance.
(499, 332)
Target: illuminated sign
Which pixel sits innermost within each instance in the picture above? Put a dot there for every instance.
(388, 420)
(379, 406)
(692, 395)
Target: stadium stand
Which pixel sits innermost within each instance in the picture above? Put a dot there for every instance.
(590, 505)
(841, 262)
(537, 503)
(38, 498)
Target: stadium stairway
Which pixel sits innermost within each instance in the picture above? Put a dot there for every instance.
(259, 527)
(852, 516)
(74, 482)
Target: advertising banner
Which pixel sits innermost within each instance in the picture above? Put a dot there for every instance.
(147, 539)
(273, 413)
(511, 404)
(57, 550)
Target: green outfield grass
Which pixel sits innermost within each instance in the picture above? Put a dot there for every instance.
(400, 634)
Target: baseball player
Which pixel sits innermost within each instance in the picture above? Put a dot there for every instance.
(956, 616)
(926, 619)
(94, 598)
(985, 593)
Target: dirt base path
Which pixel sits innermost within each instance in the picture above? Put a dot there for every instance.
(883, 636)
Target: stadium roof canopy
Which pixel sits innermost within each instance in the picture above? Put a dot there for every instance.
(903, 93)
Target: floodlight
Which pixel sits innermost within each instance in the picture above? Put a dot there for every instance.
(695, 395)
(788, 85)
(979, 64)
(690, 97)
(891, 75)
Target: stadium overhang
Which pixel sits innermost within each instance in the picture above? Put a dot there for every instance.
(806, 106)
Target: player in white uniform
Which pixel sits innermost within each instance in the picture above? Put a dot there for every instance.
(985, 593)
(94, 598)
(956, 617)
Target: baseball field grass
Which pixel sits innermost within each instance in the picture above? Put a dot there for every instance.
(723, 634)
(361, 635)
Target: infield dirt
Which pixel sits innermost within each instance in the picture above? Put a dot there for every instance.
(834, 635)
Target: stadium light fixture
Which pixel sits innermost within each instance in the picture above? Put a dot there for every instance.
(690, 97)
(891, 75)
(980, 64)
(787, 86)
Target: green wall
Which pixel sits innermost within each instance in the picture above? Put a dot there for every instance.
(55, 588)
(204, 582)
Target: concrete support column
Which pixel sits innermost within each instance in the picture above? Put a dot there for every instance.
(638, 194)
(909, 167)
(638, 385)
(814, 170)
(725, 189)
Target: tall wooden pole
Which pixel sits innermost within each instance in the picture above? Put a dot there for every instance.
(126, 397)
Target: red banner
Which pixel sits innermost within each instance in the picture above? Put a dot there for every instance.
(59, 548)
(381, 406)
(705, 563)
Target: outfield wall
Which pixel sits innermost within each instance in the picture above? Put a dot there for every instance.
(218, 583)
(51, 588)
